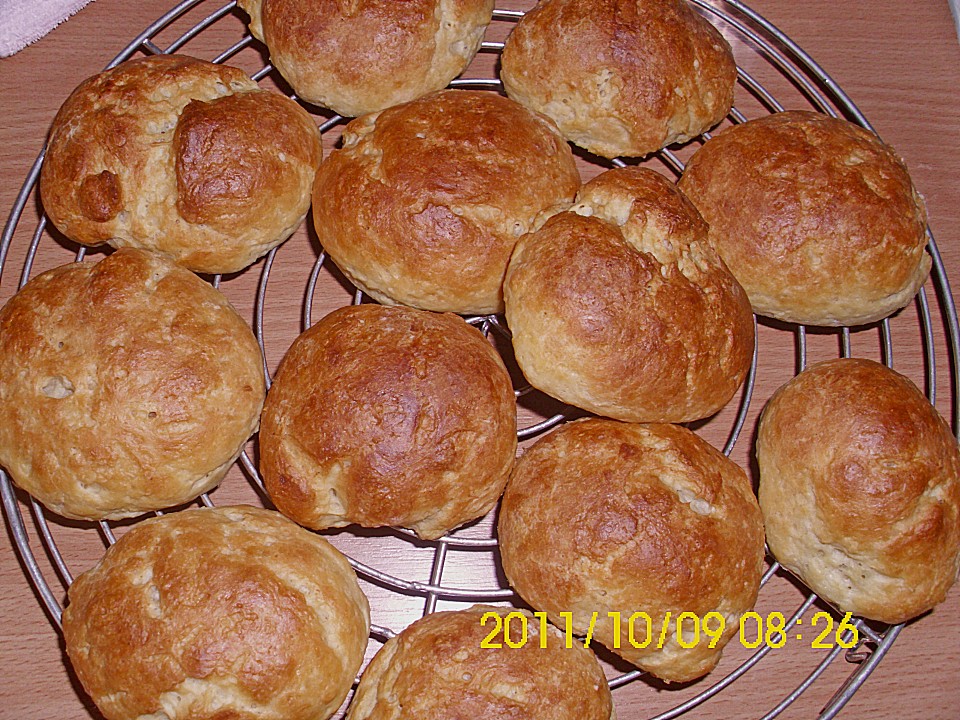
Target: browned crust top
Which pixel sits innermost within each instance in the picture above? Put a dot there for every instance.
(181, 156)
(860, 486)
(126, 385)
(617, 517)
(816, 217)
(619, 305)
(425, 201)
(437, 668)
(621, 77)
(388, 416)
(217, 612)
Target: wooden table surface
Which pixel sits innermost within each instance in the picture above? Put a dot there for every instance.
(899, 62)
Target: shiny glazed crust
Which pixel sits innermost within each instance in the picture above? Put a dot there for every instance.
(815, 216)
(436, 669)
(126, 385)
(424, 202)
(620, 77)
(388, 417)
(619, 305)
(181, 156)
(606, 517)
(362, 56)
(860, 489)
(229, 612)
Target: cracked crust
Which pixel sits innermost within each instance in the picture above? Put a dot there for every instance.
(126, 385)
(362, 56)
(620, 77)
(437, 669)
(815, 216)
(424, 202)
(181, 156)
(217, 612)
(860, 489)
(620, 307)
(388, 417)
(605, 517)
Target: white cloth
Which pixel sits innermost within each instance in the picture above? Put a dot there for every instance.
(955, 8)
(25, 21)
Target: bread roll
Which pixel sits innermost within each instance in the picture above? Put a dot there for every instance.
(424, 202)
(362, 56)
(215, 613)
(815, 216)
(620, 307)
(181, 156)
(620, 77)
(388, 417)
(603, 520)
(860, 489)
(126, 385)
(437, 669)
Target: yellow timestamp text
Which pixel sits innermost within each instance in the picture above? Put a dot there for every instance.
(686, 629)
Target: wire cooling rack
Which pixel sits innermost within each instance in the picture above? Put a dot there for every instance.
(406, 577)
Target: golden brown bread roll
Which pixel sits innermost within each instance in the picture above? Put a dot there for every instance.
(424, 202)
(361, 56)
(815, 216)
(388, 416)
(181, 156)
(620, 307)
(230, 612)
(620, 77)
(126, 385)
(602, 517)
(436, 669)
(860, 489)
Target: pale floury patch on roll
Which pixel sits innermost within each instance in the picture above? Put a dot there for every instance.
(388, 417)
(860, 489)
(126, 385)
(603, 519)
(425, 201)
(217, 612)
(362, 56)
(620, 77)
(181, 156)
(815, 216)
(439, 668)
(619, 306)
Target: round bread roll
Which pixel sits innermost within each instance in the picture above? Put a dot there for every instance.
(620, 77)
(604, 520)
(388, 417)
(424, 202)
(126, 385)
(231, 612)
(181, 156)
(619, 305)
(815, 216)
(362, 56)
(438, 668)
(860, 489)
